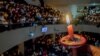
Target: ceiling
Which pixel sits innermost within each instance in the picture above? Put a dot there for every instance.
(69, 2)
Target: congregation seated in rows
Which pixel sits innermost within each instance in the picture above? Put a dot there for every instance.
(26, 14)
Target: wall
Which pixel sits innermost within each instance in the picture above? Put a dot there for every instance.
(8, 39)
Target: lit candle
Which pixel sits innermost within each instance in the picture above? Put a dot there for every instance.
(69, 27)
(70, 30)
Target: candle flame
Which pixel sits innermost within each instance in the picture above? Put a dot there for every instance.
(67, 19)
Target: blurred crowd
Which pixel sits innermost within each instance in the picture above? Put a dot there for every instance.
(92, 38)
(48, 45)
(91, 15)
(94, 19)
(89, 20)
(16, 15)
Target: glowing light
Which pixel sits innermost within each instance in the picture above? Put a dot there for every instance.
(67, 19)
(31, 34)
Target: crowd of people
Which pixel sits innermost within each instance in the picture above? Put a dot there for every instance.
(92, 38)
(15, 15)
(94, 19)
(48, 45)
(89, 20)
(91, 15)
